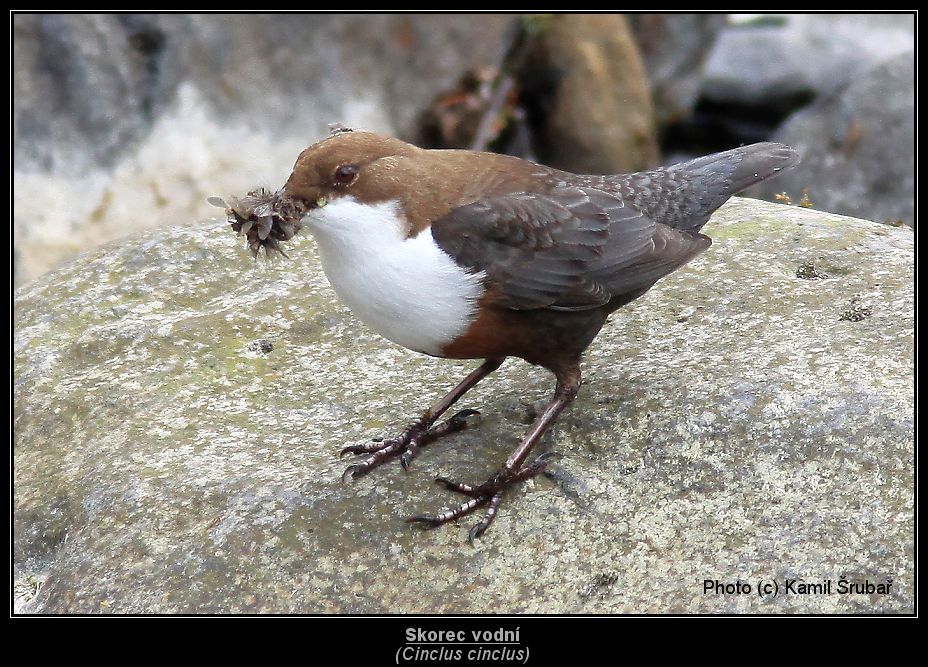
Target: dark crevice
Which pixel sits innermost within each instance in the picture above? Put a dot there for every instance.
(149, 42)
(717, 126)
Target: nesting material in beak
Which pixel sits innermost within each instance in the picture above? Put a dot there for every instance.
(265, 218)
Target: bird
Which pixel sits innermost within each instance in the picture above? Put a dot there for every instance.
(460, 254)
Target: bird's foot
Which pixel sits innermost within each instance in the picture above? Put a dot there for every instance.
(406, 446)
(490, 493)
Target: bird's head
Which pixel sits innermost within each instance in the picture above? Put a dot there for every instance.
(362, 183)
(366, 166)
(355, 182)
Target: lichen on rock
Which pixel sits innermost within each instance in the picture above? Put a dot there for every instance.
(731, 426)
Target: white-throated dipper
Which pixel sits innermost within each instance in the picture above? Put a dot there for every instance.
(468, 255)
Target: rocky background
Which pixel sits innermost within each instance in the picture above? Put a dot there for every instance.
(178, 407)
(122, 122)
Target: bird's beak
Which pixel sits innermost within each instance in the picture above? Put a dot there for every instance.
(265, 218)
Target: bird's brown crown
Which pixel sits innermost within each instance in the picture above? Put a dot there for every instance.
(375, 168)
(362, 163)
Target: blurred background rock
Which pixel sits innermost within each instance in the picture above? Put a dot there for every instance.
(122, 122)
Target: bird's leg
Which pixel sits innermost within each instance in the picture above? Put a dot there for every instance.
(421, 432)
(490, 493)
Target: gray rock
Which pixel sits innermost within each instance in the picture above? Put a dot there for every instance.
(674, 48)
(733, 426)
(780, 60)
(114, 115)
(857, 147)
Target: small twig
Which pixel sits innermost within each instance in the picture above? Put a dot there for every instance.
(503, 87)
(511, 48)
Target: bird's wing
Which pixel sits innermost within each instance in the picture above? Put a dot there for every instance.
(572, 248)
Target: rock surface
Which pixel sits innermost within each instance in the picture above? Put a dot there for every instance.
(601, 119)
(178, 410)
(857, 147)
(114, 115)
(780, 60)
(674, 48)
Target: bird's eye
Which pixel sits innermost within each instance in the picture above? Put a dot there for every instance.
(346, 174)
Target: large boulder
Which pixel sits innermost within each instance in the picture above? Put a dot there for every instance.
(121, 122)
(780, 61)
(857, 147)
(762, 68)
(600, 118)
(178, 410)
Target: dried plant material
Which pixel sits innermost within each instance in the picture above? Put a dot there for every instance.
(857, 311)
(805, 202)
(265, 218)
(455, 116)
(807, 271)
(338, 128)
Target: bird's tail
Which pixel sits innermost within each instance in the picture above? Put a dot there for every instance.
(743, 167)
(684, 195)
(729, 172)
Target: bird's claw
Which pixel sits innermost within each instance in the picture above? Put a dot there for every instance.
(490, 493)
(406, 446)
(374, 446)
(411, 450)
(461, 418)
(352, 472)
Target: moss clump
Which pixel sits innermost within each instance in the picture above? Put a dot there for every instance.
(807, 271)
(856, 311)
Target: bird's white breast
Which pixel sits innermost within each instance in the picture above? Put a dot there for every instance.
(408, 290)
